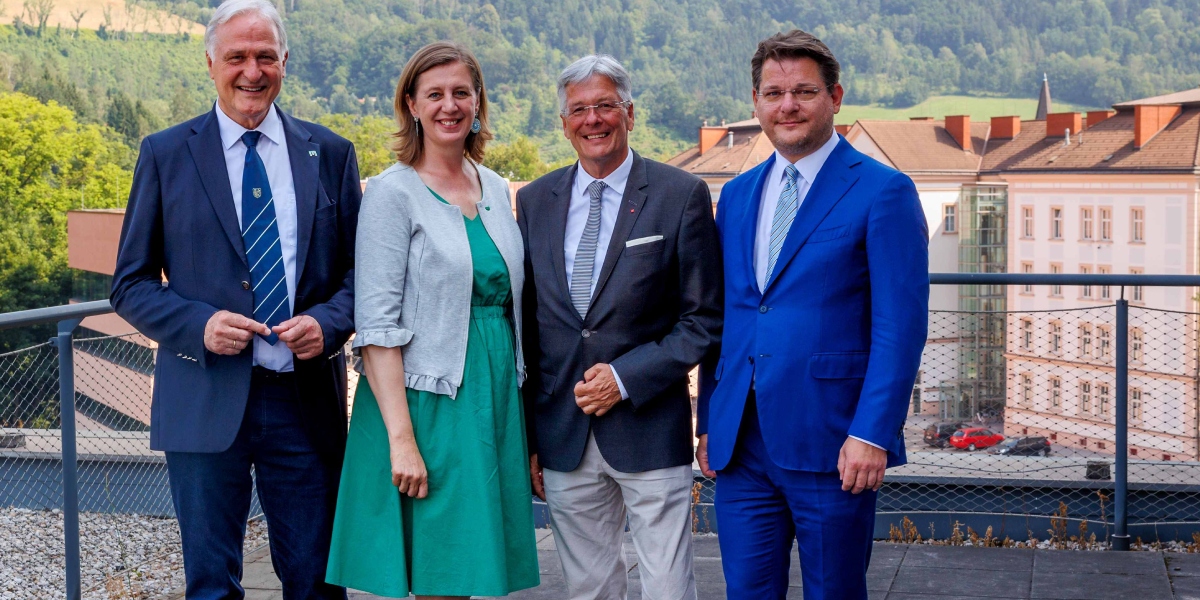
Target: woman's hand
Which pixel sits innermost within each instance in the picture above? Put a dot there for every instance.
(408, 469)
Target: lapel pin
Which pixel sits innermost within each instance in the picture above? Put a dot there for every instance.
(312, 152)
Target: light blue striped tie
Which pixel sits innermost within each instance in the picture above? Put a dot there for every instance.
(785, 213)
(585, 255)
(260, 234)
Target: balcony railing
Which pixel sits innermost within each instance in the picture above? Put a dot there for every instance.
(1094, 381)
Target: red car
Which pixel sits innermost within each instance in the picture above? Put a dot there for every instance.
(974, 438)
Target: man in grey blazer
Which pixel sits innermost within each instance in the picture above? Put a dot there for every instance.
(623, 298)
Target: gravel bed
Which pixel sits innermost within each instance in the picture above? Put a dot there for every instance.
(123, 556)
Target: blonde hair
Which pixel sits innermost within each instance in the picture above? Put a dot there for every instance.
(410, 142)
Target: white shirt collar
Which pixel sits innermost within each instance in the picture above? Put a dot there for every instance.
(808, 166)
(231, 132)
(615, 180)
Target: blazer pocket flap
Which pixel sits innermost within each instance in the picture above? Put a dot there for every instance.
(839, 365)
(547, 380)
(828, 234)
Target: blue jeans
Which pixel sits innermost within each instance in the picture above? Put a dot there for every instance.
(762, 507)
(296, 487)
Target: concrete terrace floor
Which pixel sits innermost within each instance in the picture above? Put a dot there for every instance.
(899, 572)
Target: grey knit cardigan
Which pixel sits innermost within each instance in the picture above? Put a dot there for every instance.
(413, 274)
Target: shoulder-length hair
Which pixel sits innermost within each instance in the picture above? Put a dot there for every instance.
(409, 145)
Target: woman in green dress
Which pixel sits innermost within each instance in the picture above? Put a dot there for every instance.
(434, 497)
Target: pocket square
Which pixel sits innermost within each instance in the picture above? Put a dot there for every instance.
(645, 240)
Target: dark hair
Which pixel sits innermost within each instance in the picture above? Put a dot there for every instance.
(795, 44)
(409, 145)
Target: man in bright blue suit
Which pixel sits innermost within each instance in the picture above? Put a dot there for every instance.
(826, 295)
(250, 216)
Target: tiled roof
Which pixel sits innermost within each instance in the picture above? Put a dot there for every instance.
(1106, 146)
(749, 148)
(924, 146)
(1191, 96)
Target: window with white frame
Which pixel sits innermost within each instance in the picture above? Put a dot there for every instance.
(1085, 340)
(1027, 222)
(1085, 290)
(1027, 335)
(1085, 397)
(949, 218)
(1056, 338)
(1086, 222)
(1106, 223)
(1136, 292)
(1027, 267)
(1104, 347)
(1137, 224)
(1105, 289)
(1056, 288)
(1056, 223)
(1135, 405)
(1102, 399)
(1055, 392)
(1026, 389)
(1136, 346)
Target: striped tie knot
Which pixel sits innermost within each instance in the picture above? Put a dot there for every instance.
(250, 138)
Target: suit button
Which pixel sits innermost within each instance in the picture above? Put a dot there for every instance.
(586, 334)
(245, 285)
(763, 309)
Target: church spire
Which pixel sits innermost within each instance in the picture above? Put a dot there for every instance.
(1043, 107)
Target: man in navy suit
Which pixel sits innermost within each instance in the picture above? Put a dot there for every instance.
(249, 216)
(826, 294)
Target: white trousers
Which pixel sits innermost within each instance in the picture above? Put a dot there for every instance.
(588, 507)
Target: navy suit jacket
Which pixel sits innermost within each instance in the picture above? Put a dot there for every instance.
(833, 343)
(181, 223)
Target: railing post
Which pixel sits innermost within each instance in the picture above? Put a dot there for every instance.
(1120, 539)
(66, 394)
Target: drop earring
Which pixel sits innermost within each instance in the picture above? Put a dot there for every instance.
(417, 123)
(476, 125)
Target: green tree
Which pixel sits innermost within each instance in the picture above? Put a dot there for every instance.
(371, 135)
(518, 160)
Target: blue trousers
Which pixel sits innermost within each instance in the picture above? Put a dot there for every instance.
(762, 507)
(297, 490)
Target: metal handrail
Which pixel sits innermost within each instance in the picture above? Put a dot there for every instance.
(54, 314)
(1063, 279)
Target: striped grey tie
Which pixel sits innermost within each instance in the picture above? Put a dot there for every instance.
(785, 212)
(585, 255)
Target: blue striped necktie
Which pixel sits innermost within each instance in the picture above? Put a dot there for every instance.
(585, 255)
(260, 235)
(785, 213)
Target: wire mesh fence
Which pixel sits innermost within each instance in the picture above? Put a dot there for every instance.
(1013, 424)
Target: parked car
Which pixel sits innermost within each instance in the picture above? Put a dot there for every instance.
(1026, 446)
(938, 434)
(974, 438)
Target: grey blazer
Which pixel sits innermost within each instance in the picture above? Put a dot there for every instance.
(414, 274)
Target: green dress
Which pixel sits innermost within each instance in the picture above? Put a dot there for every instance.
(473, 534)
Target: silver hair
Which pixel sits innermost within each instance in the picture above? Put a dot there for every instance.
(232, 8)
(594, 64)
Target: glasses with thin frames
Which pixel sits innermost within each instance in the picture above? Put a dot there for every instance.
(801, 94)
(603, 109)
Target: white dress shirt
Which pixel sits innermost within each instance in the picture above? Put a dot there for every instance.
(808, 167)
(577, 213)
(272, 149)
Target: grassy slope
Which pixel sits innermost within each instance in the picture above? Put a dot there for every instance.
(978, 108)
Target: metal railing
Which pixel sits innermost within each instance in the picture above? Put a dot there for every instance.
(937, 481)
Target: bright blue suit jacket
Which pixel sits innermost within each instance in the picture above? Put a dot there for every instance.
(833, 343)
(181, 223)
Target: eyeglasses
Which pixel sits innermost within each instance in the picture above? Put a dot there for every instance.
(603, 109)
(804, 94)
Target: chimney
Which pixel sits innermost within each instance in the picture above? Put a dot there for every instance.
(842, 129)
(710, 136)
(920, 118)
(959, 127)
(730, 138)
(1094, 117)
(1058, 124)
(1005, 127)
(1148, 120)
